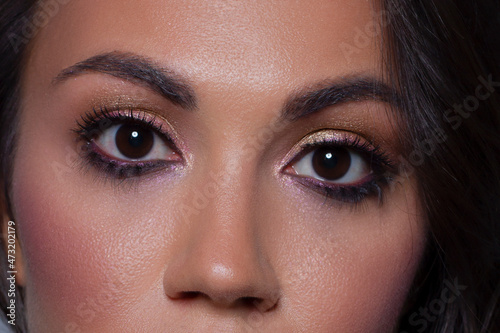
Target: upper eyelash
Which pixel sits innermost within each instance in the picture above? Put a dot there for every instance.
(365, 148)
(90, 120)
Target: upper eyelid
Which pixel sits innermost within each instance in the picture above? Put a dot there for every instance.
(163, 126)
(319, 138)
(309, 147)
(152, 120)
(374, 154)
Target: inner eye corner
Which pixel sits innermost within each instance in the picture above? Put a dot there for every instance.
(289, 170)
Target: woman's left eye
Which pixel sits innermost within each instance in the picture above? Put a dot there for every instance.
(332, 164)
(133, 142)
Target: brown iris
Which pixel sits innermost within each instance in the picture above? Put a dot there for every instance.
(331, 163)
(134, 141)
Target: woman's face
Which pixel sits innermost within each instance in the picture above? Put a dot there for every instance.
(189, 166)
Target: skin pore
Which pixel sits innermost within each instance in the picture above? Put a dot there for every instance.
(224, 235)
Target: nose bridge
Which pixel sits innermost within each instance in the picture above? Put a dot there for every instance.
(226, 223)
(222, 260)
(225, 187)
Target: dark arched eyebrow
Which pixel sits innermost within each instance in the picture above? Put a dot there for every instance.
(138, 70)
(353, 89)
(174, 87)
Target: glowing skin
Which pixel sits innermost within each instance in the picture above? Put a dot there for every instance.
(227, 240)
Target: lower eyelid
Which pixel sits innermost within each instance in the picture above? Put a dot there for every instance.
(370, 185)
(341, 194)
(92, 156)
(325, 183)
(173, 156)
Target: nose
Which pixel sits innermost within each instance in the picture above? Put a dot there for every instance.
(222, 261)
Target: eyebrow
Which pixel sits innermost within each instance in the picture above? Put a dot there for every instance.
(174, 87)
(138, 70)
(354, 89)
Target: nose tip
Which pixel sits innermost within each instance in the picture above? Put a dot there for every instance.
(225, 278)
(223, 286)
(222, 256)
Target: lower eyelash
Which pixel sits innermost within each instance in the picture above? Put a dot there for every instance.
(352, 194)
(117, 169)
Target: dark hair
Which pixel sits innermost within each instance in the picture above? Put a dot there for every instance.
(443, 57)
(13, 47)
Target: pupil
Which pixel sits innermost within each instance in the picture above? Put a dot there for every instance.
(331, 163)
(134, 141)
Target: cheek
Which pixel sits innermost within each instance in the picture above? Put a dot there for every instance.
(58, 254)
(379, 268)
(84, 244)
(349, 270)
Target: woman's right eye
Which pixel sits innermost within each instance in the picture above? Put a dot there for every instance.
(125, 144)
(132, 141)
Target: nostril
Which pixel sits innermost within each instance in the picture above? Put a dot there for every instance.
(250, 301)
(262, 305)
(185, 295)
(189, 294)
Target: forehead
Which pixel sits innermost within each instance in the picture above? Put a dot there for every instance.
(257, 43)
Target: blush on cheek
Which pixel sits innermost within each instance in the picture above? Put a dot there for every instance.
(66, 272)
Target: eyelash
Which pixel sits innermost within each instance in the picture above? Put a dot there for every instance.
(383, 170)
(91, 124)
